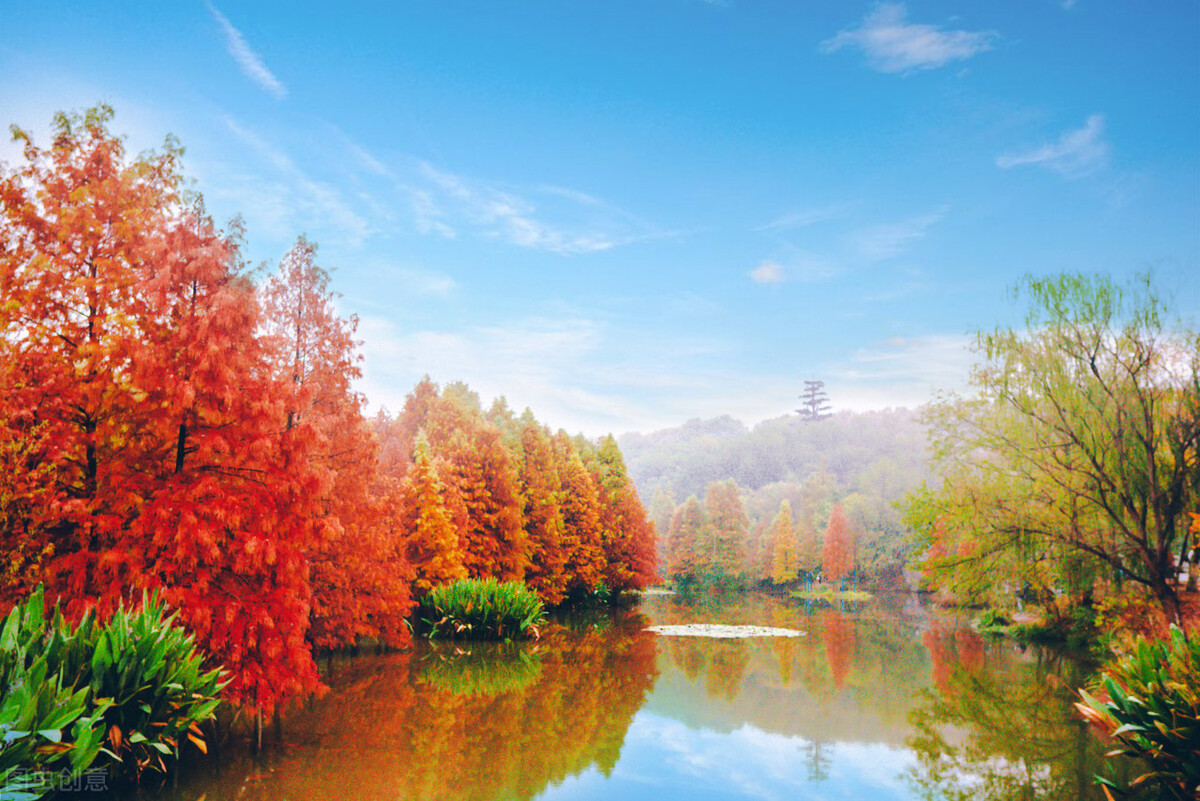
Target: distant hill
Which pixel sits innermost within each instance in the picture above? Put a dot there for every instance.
(886, 449)
(865, 461)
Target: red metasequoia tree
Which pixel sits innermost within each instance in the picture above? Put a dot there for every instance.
(134, 372)
(835, 556)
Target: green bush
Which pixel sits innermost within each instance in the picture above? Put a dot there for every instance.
(1153, 713)
(481, 609)
(131, 687)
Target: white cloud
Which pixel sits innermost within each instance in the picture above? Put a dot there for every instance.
(769, 272)
(1077, 153)
(445, 203)
(888, 240)
(295, 203)
(548, 364)
(247, 60)
(891, 44)
(908, 369)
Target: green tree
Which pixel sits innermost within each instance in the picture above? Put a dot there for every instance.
(1079, 453)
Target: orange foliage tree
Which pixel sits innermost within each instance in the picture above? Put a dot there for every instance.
(165, 425)
(433, 545)
(628, 535)
(359, 576)
(135, 370)
(544, 525)
(685, 553)
(784, 546)
(580, 505)
(835, 556)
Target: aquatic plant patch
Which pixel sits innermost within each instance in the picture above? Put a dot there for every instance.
(481, 609)
(128, 691)
(721, 631)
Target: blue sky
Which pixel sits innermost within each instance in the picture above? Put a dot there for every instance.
(626, 214)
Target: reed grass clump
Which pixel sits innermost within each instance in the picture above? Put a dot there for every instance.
(124, 693)
(481, 609)
(1149, 704)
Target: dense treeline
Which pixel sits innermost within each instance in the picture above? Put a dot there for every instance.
(787, 476)
(167, 423)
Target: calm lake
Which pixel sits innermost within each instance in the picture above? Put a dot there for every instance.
(889, 700)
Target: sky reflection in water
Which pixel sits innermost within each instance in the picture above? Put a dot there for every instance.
(664, 758)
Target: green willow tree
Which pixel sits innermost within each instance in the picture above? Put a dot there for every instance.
(1078, 457)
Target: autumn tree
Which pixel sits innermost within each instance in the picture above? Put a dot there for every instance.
(628, 535)
(784, 546)
(811, 519)
(835, 555)
(358, 574)
(541, 491)
(432, 545)
(1081, 450)
(686, 540)
(728, 526)
(580, 507)
(134, 365)
(79, 227)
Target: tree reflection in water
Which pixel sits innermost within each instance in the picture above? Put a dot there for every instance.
(461, 721)
(884, 703)
(999, 724)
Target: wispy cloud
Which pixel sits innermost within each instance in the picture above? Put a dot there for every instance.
(881, 242)
(769, 272)
(297, 200)
(247, 60)
(550, 364)
(802, 218)
(444, 203)
(1077, 153)
(926, 363)
(891, 44)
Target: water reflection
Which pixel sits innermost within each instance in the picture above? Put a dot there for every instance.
(1000, 724)
(883, 702)
(484, 668)
(913, 689)
(459, 721)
